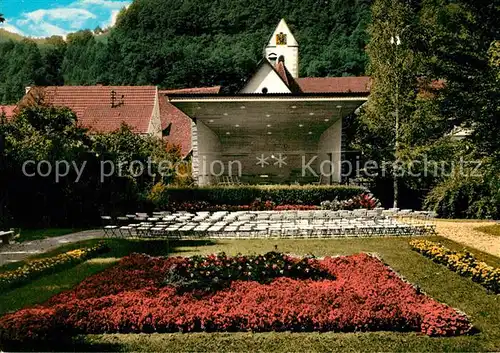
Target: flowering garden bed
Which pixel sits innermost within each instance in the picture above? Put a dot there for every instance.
(37, 268)
(463, 263)
(140, 295)
(362, 201)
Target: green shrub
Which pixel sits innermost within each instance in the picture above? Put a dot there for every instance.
(245, 195)
(466, 197)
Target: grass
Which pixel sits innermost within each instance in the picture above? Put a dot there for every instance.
(494, 229)
(5, 36)
(38, 234)
(436, 280)
(43, 288)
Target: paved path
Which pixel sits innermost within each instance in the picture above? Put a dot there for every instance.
(21, 251)
(464, 233)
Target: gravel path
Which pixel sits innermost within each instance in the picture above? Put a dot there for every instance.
(21, 251)
(464, 233)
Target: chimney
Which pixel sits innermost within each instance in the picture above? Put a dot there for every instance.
(27, 90)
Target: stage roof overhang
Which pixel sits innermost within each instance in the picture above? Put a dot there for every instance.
(282, 114)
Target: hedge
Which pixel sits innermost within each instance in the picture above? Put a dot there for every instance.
(245, 195)
(463, 197)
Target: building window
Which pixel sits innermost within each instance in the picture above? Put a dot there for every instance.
(265, 90)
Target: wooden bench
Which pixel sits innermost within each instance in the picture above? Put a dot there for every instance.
(6, 236)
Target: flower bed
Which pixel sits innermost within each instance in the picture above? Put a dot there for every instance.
(213, 272)
(463, 263)
(131, 297)
(197, 206)
(37, 268)
(363, 201)
(246, 194)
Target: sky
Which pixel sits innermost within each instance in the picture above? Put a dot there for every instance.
(38, 18)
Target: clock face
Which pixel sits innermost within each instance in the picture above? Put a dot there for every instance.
(281, 39)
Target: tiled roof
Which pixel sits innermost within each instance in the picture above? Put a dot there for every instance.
(201, 90)
(334, 84)
(287, 78)
(180, 123)
(8, 110)
(281, 70)
(98, 111)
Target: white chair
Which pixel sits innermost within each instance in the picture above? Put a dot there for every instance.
(126, 231)
(108, 228)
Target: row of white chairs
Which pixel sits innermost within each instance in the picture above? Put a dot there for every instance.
(226, 215)
(265, 224)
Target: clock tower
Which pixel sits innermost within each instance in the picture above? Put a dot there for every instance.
(284, 46)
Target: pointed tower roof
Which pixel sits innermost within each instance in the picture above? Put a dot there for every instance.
(283, 28)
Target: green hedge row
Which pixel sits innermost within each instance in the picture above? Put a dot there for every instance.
(244, 195)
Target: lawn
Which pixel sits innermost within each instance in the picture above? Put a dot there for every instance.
(436, 280)
(37, 234)
(494, 229)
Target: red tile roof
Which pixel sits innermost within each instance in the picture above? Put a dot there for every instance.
(133, 105)
(96, 109)
(8, 110)
(281, 69)
(180, 128)
(334, 84)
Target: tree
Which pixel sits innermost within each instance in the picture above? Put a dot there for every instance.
(465, 54)
(402, 127)
(196, 43)
(201, 43)
(51, 135)
(22, 66)
(3, 174)
(393, 66)
(53, 56)
(2, 18)
(39, 133)
(462, 34)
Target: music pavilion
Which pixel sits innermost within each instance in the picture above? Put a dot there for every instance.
(279, 128)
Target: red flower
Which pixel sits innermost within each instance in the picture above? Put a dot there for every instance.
(130, 298)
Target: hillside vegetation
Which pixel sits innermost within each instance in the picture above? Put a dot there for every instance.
(5, 36)
(190, 43)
